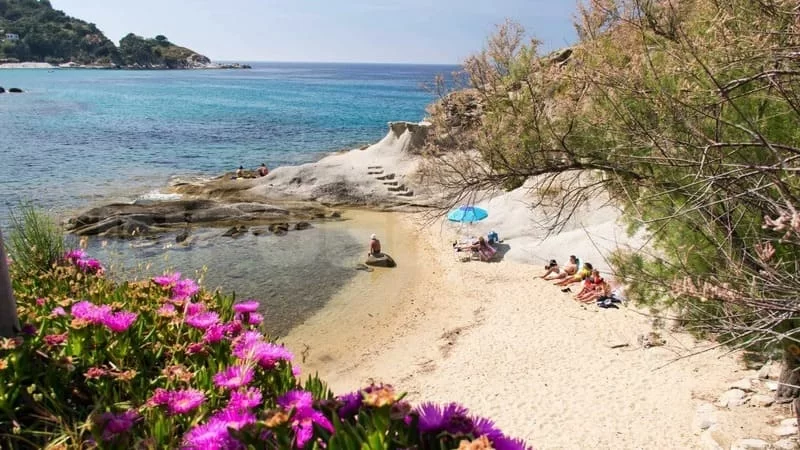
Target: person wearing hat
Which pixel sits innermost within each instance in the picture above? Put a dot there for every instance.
(374, 245)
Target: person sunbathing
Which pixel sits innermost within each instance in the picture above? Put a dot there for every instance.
(569, 269)
(592, 287)
(483, 248)
(551, 267)
(579, 276)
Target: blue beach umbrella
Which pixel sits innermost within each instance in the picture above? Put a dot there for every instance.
(467, 214)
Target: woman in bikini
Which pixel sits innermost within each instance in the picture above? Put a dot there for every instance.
(584, 273)
(592, 288)
(569, 269)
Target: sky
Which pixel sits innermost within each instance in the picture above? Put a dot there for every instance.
(384, 31)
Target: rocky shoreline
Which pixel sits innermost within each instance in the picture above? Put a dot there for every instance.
(380, 176)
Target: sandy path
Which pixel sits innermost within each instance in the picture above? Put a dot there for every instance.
(510, 347)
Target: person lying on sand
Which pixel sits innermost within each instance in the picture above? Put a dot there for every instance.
(551, 267)
(592, 287)
(374, 245)
(569, 269)
(581, 275)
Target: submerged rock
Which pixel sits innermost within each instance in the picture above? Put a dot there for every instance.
(125, 220)
(381, 260)
(2, 90)
(15, 90)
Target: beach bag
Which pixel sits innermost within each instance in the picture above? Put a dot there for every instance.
(493, 238)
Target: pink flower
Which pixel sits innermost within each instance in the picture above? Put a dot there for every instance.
(233, 328)
(119, 321)
(90, 312)
(184, 289)
(234, 377)
(55, 339)
(95, 373)
(202, 320)
(248, 306)
(40, 302)
(167, 280)
(246, 399)
(160, 397)
(58, 312)
(75, 255)
(194, 308)
(304, 417)
(116, 424)
(252, 318)
(182, 402)
(195, 348)
(167, 310)
(296, 371)
(215, 333)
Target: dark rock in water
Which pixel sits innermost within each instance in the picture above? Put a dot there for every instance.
(174, 214)
(2, 90)
(15, 90)
(302, 226)
(258, 231)
(380, 260)
(279, 228)
(235, 231)
(182, 236)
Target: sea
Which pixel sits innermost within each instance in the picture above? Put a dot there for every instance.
(81, 138)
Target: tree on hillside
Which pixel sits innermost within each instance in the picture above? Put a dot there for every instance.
(687, 115)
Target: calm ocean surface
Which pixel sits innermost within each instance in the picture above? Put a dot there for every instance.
(78, 138)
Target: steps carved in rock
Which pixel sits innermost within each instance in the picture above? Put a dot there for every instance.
(400, 188)
(388, 176)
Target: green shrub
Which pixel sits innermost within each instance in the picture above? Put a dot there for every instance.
(36, 241)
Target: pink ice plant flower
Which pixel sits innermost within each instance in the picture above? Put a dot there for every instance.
(214, 434)
(184, 289)
(75, 255)
(117, 424)
(234, 377)
(249, 398)
(194, 308)
(90, 312)
(304, 416)
(177, 402)
(167, 280)
(58, 312)
(252, 318)
(215, 333)
(248, 306)
(167, 310)
(119, 321)
(251, 348)
(202, 321)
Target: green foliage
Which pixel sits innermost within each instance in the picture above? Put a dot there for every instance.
(78, 377)
(47, 34)
(36, 242)
(138, 51)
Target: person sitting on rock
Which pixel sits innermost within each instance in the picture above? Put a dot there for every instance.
(240, 172)
(374, 246)
(263, 171)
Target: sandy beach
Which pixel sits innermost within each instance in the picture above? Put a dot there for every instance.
(514, 348)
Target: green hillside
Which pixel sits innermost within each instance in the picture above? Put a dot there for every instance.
(33, 31)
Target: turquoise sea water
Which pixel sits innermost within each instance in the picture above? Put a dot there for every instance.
(78, 138)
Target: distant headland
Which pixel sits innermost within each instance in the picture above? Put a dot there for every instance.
(34, 35)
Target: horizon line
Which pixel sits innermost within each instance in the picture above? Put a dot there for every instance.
(334, 62)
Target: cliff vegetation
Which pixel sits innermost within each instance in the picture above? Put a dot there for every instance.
(33, 31)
